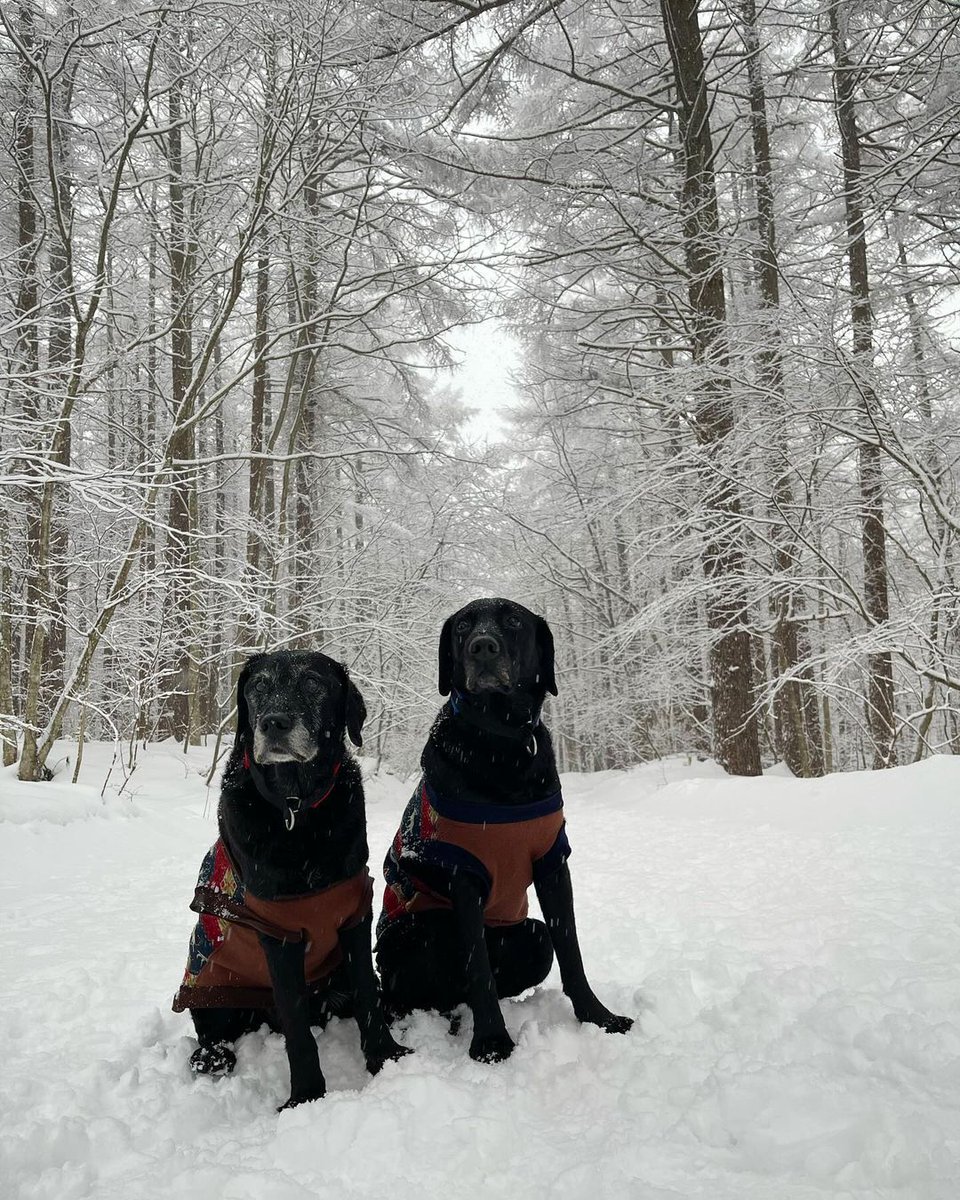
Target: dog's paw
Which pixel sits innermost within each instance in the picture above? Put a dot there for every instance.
(304, 1096)
(212, 1060)
(607, 1021)
(493, 1048)
(388, 1051)
(617, 1024)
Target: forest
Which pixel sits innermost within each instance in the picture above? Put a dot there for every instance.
(237, 245)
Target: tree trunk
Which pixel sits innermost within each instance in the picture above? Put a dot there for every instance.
(880, 698)
(260, 503)
(258, 416)
(797, 726)
(731, 668)
(220, 561)
(26, 366)
(59, 357)
(943, 542)
(180, 678)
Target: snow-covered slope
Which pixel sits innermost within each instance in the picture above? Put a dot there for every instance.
(791, 949)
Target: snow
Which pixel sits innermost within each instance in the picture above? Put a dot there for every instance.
(790, 949)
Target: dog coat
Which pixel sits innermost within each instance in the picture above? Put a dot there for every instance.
(507, 847)
(226, 966)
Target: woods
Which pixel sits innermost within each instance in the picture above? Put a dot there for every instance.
(235, 250)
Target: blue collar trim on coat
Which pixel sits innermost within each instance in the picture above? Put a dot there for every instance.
(491, 814)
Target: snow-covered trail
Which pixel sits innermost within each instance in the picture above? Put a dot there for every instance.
(792, 952)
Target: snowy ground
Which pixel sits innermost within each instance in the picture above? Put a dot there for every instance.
(792, 952)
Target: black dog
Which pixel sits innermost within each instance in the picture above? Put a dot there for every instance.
(285, 896)
(485, 821)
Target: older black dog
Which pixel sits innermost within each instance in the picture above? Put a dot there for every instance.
(284, 895)
(485, 821)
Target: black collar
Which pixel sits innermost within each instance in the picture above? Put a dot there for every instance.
(521, 730)
(291, 804)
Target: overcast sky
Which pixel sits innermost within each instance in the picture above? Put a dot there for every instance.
(489, 355)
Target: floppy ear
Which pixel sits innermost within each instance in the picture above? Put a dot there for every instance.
(445, 678)
(356, 712)
(545, 648)
(243, 715)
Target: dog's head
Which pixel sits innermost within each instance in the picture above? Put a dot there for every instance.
(293, 702)
(496, 646)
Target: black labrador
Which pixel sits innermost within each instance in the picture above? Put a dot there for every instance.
(284, 895)
(485, 821)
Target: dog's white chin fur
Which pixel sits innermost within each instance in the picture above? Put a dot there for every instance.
(270, 757)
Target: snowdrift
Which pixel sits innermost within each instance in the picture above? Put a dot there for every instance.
(791, 951)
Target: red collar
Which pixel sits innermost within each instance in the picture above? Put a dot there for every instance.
(333, 783)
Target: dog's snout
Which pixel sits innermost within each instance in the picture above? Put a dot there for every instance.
(276, 722)
(483, 646)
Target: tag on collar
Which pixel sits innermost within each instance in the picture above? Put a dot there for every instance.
(293, 810)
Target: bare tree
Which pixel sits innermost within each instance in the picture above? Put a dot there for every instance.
(880, 698)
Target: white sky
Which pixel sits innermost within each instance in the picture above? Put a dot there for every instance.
(489, 354)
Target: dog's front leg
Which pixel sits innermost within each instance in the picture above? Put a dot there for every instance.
(555, 893)
(285, 961)
(376, 1041)
(491, 1042)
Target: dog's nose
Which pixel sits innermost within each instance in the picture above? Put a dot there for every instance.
(276, 722)
(483, 646)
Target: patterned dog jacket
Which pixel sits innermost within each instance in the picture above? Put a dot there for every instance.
(507, 847)
(226, 966)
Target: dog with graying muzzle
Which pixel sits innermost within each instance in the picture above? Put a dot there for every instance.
(485, 822)
(284, 895)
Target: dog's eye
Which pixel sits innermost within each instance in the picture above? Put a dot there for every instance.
(311, 684)
(462, 626)
(511, 621)
(259, 684)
